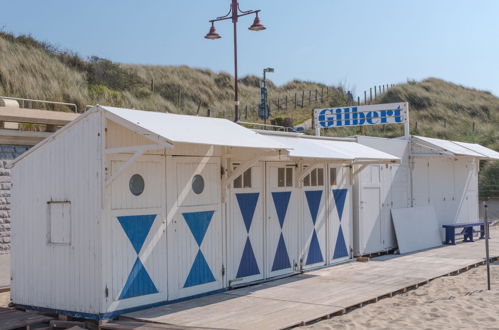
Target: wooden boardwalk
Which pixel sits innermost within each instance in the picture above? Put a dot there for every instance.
(319, 294)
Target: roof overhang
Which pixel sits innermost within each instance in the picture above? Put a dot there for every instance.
(344, 150)
(173, 128)
(454, 148)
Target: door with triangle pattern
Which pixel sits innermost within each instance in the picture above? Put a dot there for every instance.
(281, 238)
(245, 232)
(313, 222)
(195, 239)
(340, 214)
(137, 225)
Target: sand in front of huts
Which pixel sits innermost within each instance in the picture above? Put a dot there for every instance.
(451, 302)
(4, 299)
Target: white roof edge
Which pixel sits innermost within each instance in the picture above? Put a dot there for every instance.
(60, 131)
(178, 128)
(449, 146)
(488, 153)
(305, 136)
(117, 119)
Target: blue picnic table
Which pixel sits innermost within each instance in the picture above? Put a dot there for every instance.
(467, 232)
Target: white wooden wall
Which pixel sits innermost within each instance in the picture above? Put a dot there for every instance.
(450, 185)
(378, 189)
(59, 276)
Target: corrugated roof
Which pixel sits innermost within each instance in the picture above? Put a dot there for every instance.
(357, 150)
(307, 148)
(304, 146)
(194, 129)
(489, 153)
(449, 146)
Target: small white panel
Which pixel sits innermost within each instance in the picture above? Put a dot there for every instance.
(60, 223)
(208, 183)
(149, 169)
(417, 228)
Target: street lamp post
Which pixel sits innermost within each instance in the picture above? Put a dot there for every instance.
(264, 95)
(234, 13)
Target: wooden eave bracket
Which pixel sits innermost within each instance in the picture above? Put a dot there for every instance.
(304, 172)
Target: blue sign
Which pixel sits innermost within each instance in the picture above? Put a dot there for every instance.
(262, 112)
(378, 114)
(262, 109)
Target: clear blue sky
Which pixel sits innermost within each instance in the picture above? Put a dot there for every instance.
(357, 43)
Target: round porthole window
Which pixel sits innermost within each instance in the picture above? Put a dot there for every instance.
(136, 184)
(197, 184)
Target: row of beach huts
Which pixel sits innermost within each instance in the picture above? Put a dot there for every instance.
(124, 209)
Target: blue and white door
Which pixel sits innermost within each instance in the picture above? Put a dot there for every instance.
(137, 225)
(313, 222)
(281, 220)
(195, 239)
(340, 214)
(245, 232)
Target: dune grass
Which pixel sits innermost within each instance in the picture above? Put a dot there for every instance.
(37, 70)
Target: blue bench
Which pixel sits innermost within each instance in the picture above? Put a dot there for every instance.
(450, 232)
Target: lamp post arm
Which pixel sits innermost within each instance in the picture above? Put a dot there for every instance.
(224, 18)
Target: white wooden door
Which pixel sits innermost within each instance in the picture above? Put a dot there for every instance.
(245, 227)
(420, 182)
(282, 220)
(195, 238)
(313, 221)
(466, 190)
(138, 223)
(340, 213)
(370, 210)
(386, 224)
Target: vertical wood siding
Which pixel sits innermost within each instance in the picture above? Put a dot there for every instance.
(60, 276)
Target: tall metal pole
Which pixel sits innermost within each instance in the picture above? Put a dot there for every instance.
(236, 83)
(265, 86)
(487, 255)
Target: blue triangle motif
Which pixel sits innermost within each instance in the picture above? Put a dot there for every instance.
(200, 272)
(281, 259)
(136, 228)
(314, 251)
(340, 196)
(198, 223)
(340, 249)
(138, 283)
(314, 201)
(247, 205)
(281, 202)
(248, 265)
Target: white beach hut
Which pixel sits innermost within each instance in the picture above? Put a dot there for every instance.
(432, 172)
(124, 209)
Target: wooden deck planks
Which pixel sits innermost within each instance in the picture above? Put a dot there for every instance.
(317, 294)
(13, 319)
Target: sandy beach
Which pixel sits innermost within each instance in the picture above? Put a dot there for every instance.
(452, 302)
(4, 299)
